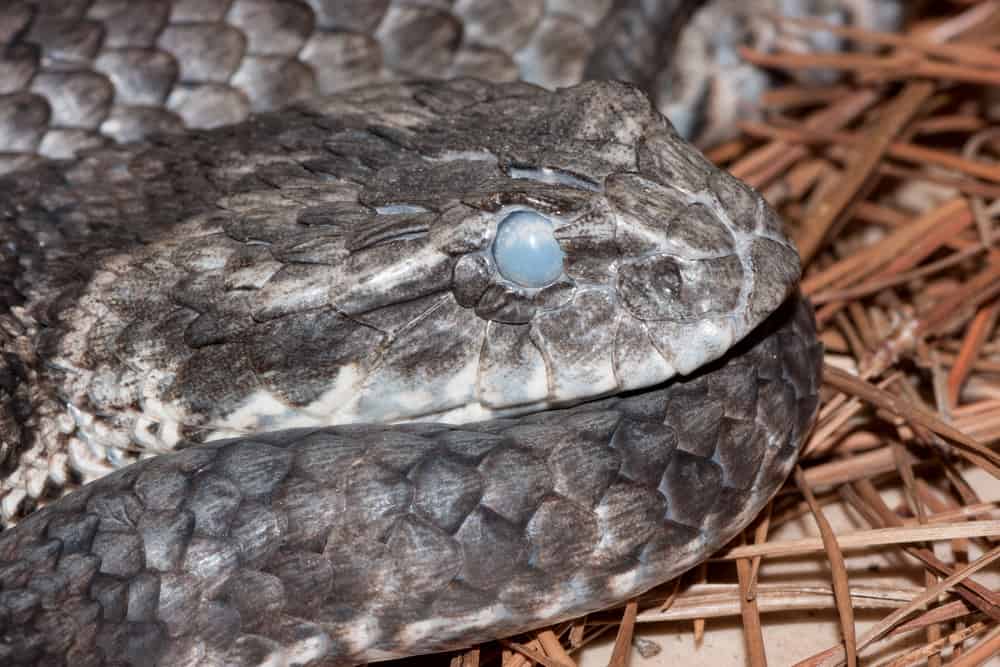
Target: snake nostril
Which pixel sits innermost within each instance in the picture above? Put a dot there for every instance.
(526, 250)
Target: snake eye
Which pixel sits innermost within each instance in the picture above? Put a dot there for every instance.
(526, 250)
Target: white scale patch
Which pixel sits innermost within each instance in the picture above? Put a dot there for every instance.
(353, 400)
(386, 395)
(12, 499)
(637, 371)
(624, 584)
(360, 633)
(400, 209)
(262, 410)
(490, 615)
(463, 156)
(90, 463)
(308, 649)
(510, 385)
(553, 177)
(702, 342)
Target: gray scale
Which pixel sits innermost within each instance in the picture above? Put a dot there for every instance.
(277, 387)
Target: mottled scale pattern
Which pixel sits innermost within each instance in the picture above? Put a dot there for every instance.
(75, 74)
(333, 264)
(245, 312)
(358, 543)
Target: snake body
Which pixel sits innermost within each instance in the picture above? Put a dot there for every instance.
(266, 298)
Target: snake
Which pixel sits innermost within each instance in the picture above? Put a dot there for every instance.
(336, 332)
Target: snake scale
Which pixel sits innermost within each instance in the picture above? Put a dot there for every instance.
(272, 390)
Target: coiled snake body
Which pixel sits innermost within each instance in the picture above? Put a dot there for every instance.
(269, 297)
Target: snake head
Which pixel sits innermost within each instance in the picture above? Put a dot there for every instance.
(539, 248)
(451, 251)
(615, 272)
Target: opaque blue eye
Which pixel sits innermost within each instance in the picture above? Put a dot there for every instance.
(526, 250)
